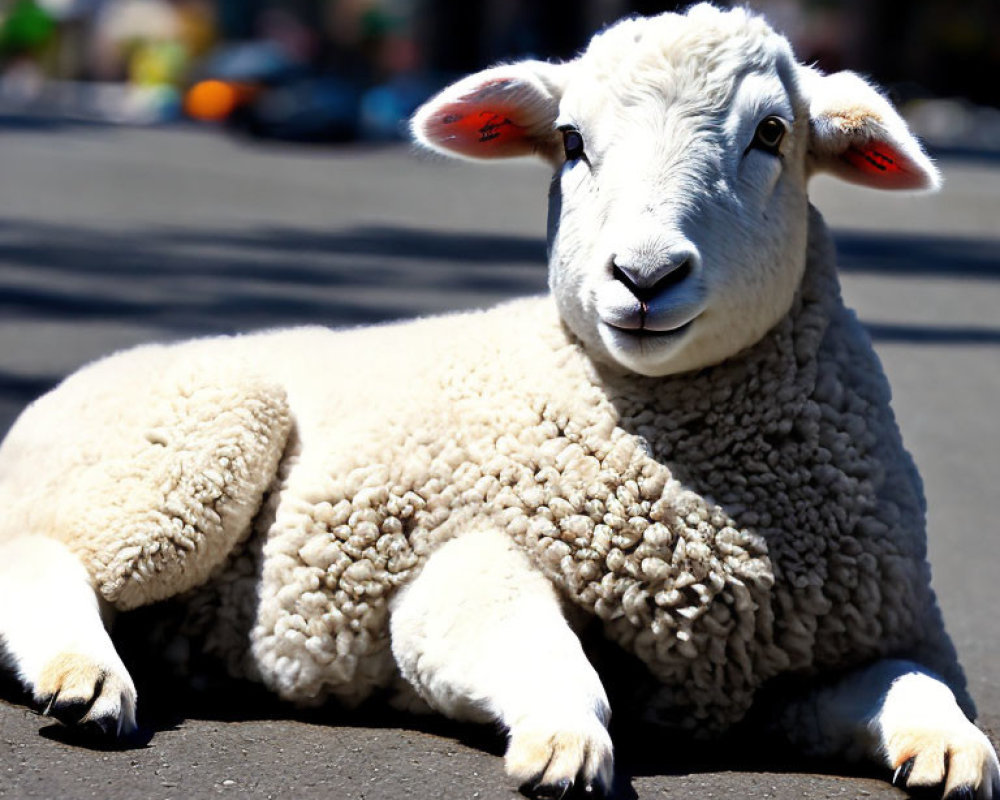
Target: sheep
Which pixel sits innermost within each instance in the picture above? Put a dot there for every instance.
(689, 439)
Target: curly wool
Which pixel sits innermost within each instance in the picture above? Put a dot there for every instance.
(757, 518)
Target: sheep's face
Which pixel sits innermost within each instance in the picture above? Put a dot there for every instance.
(682, 147)
(677, 224)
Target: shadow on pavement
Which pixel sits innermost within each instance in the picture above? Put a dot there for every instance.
(25, 388)
(172, 283)
(192, 282)
(642, 750)
(913, 255)
(19, 122)
(166, 703)
(936, 334)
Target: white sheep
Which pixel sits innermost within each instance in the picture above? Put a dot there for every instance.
(690, 439)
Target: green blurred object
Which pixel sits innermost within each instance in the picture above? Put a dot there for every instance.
(27, 28)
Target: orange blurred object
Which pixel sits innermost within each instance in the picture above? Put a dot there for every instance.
(215, 100)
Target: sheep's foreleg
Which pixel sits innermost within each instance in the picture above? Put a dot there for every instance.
(53, 635)
(903, 717)
(480, 634)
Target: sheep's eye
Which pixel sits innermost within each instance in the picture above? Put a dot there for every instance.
(572, 143)
(769, 134)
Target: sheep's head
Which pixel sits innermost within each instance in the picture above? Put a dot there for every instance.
(682, 146)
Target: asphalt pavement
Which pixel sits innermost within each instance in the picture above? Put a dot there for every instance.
(110, 237)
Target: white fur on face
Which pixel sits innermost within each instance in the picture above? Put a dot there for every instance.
(668, 183)
(669, 177)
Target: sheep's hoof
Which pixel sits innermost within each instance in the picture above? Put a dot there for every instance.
(555, 765)
(960, 763)
(95, 698)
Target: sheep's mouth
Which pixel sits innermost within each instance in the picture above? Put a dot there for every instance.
(660, 317)
(649, 333)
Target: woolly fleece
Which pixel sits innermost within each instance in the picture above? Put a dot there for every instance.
(755, 518)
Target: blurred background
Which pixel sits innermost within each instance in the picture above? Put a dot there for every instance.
(342, 70)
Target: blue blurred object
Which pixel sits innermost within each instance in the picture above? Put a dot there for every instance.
(386, 109)
(303, 109)
(249, 62)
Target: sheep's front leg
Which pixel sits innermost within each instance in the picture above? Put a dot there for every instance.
(901, 716)
(52, 634)
(480, 634)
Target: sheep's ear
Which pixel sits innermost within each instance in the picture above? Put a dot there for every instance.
(502, 112)
(857, 135)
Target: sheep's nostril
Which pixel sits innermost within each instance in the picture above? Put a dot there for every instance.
(676, 276)
(646, 288)
(623, 277)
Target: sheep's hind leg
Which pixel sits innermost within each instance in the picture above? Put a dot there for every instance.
(903, 717)
(157, 520)
(481, 635)
(54, 638)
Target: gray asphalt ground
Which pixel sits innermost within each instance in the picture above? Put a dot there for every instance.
(110, 237)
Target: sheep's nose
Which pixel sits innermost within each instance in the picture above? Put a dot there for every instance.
(647, 282)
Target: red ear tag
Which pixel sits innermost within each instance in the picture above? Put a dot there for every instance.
(488, 123)
(495, 126)
(475, 131)
(480, 126)
(873, 160)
